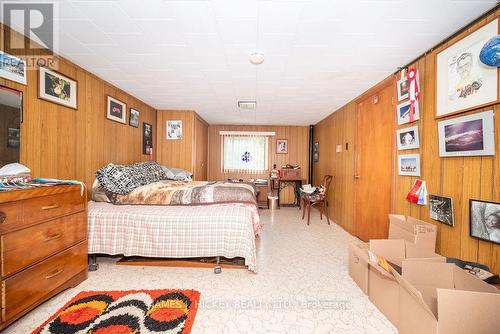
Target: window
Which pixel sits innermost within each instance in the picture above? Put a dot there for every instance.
(244, 153)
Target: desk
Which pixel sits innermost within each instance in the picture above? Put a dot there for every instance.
(280, 184)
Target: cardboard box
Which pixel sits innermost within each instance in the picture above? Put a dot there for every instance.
(383, 288)
(442, 298)
(417, 231)
(358, 264)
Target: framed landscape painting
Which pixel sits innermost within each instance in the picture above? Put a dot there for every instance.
(134, 118)
(409, 164)
(116, 110)
(463, 81)
(57, 88)
(403, 112)
(13, 68)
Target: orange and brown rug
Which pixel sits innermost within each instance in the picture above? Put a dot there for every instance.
(125, 312)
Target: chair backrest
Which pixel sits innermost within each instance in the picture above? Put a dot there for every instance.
(327, 179)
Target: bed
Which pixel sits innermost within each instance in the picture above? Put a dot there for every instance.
(177, 219)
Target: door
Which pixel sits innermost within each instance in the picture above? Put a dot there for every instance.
(374, 167)
(201, 149)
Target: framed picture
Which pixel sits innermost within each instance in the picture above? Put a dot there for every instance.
(57, 88)
(281, 146)
(117, 110)
(409, 164)
(13, 68)
(316, 152)
(134, 118)
(485, 220)
(403, 86)
(403, 112)
(407, 138)
(467, 135)
(441, 209)
(174, 130)
(13, 137)
(147, 138)
(463, 81)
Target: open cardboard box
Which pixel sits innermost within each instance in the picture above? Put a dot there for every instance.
(443, 298)
(383, 289)
(413, 230)
(358, 264)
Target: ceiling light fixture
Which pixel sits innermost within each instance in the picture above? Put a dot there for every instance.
(248, 105)
(256, 58)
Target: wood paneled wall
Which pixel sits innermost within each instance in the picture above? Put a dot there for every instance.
(460, 178)
(298, 152)
(60, 142)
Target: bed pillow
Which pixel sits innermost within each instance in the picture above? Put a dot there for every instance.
(98, 193)
(177, 174)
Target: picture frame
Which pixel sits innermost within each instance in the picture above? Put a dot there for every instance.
(147, 138)
(133, 120)
(116, 110)
(463, 82)
(403, 112)
(13, 68)
(408, 138)
(484, 220)
(403, 87)
(281, 146)
(409, 164)
(316, 152)
(471, 135)
(441, 209)
(174, 130)
(57, 88)
(13, 137)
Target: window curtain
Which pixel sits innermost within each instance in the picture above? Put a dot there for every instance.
(245, 154)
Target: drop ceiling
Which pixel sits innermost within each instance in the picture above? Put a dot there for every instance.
(194, 54)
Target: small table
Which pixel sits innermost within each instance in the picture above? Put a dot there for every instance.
(283, 183)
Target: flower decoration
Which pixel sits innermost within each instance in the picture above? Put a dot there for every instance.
(246, 157)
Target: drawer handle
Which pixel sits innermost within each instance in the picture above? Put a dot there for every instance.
(53, 237)
(3, 217)
(50, 207)
(54, 273)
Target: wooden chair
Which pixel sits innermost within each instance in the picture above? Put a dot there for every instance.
(318, 200)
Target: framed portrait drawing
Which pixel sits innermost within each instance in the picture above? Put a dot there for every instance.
(408, 138)
(116, 110)
(403, 112)
(441, 209)
(316, 152)
(409, 164)
(485, 220)
(134, 118)
(463, 82)
(174, 130)
(13, 68)
(403, 86)
(471, 135)
(147, 138)
(281, 146)
(57, 88)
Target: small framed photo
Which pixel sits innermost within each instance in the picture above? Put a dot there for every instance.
(57, 88)
(471, 135)
(13, 137)
(147, 138)
(13, 68)
(409, 164)
(403, 112)
(116, 110)
(485, 220)
(134, 118)
(282, 146)
(441, 209)
(403, 86)
(316, 152)
(174, 130)
(407, 138)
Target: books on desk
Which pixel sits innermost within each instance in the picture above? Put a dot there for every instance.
(259, 181)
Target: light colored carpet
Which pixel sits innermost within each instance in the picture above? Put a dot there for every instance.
(302, 285)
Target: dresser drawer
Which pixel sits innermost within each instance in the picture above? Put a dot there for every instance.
(52, 206)
(30, 286)
(10, 215)
(22, 248)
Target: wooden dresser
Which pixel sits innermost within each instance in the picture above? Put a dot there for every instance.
(43, 246)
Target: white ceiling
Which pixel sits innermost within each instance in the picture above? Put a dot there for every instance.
(319, 54)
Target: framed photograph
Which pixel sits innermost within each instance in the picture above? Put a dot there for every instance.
(407, 138)
(403, 86)
(463, 81)
(13, 68)
(147, 138)
(409, 164)
(116, 110)
(174, 130)
(134, 118)
(13, 137)
(57, 88)
(316, 152)
(403, 112)
(281, 146)
(441, 209)
(485, 220)
(470, 135)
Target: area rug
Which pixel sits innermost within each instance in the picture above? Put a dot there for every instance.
(125, 312)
